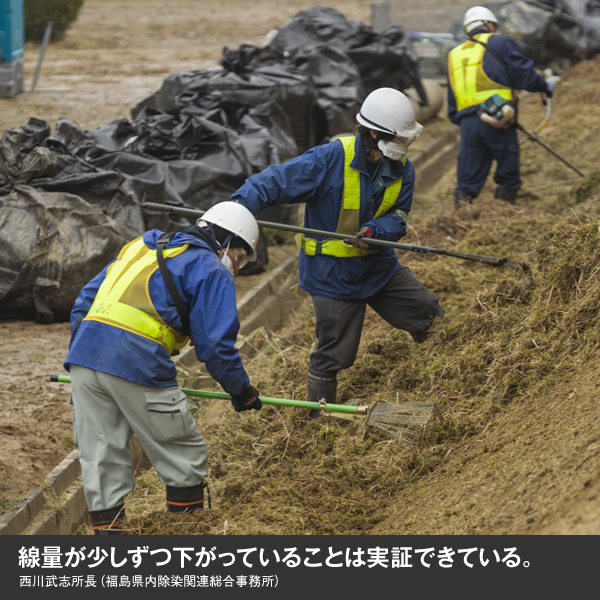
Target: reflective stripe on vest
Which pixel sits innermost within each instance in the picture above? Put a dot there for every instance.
(348, 221)
(470, 84)
(123, 299)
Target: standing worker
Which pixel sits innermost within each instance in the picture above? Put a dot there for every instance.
(362, 186)
(488, 68)
(126, 324)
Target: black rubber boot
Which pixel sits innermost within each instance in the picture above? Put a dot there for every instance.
(462, 198)
(507, 195)
(320, 386)
(108, 522)
(186, 499)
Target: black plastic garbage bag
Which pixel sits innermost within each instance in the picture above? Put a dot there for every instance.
(31, 156)
(383, 58)
(339, 86)
(112, 171)
(51, 244)
(227, 96)
(333, 73)
(158, 164)
(189, 162)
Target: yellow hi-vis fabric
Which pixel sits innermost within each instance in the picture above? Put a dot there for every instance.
(123, 299)
(348, 221)
(470, 84)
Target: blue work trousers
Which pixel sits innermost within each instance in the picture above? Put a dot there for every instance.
(480, 145)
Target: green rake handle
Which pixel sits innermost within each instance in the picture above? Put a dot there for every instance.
(342, 408)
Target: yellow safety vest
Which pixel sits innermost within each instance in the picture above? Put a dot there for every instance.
(123, 299)
(349, 215)
(470, 84)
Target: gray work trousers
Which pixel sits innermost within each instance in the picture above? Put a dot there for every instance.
(107, 410)
(405, 303)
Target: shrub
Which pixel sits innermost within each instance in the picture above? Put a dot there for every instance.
(39, 12)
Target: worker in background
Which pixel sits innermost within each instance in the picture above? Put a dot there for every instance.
(487, 69)
(360, 185)
(126, 324)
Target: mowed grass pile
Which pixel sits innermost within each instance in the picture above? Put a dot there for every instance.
(277, 472)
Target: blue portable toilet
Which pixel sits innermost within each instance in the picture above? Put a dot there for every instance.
(12, 30)
(12, 44)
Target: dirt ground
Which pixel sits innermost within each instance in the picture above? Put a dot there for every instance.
(520, 449)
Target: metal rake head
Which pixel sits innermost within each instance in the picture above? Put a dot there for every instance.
(405, 420)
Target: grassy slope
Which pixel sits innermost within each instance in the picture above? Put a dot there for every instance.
(513, 366)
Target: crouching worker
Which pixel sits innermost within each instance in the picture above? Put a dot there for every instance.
(126, 324)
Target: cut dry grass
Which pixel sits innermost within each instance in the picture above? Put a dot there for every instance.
(277, 472)
(508, 339)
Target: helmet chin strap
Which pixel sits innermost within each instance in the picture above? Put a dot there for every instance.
(227, 241)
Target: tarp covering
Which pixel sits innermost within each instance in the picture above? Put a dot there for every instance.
(383, 58)
(95, 183)
(50, 242)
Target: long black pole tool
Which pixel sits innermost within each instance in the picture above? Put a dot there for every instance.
(532, 135)
(488, 260)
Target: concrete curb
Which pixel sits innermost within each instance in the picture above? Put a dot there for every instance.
(59, 508)
(436, 159)
(31, 513)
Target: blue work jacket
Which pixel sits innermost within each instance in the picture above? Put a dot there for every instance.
(520, 68)
(208, 291)
(316, 178)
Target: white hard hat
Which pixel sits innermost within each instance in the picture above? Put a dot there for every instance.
(477, 16)
(390, 111)
(236, 219)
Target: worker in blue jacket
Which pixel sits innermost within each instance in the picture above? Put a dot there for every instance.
(488, 67)
(126, 324)
(362, 186)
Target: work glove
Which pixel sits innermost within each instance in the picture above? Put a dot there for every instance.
(247, 400)
(361, 233)
(550, 86)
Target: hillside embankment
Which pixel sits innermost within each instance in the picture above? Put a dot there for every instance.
(513, 366)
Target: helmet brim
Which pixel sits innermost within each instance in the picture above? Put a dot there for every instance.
(366, 123)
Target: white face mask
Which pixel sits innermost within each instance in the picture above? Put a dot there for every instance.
(393, 150)
(226, 261)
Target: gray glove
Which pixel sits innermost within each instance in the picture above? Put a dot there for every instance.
(361, 233)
